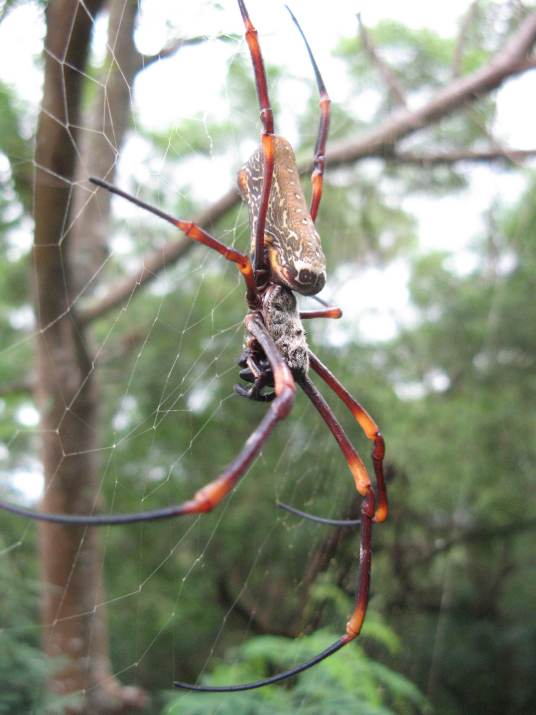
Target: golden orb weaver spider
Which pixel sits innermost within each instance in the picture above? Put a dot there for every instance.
(287, 257)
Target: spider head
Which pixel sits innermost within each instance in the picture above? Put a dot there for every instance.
(282, 320)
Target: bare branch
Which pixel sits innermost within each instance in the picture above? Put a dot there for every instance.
(515, 156)
(169, 50)
(527, 64)
(156, 261)
(389, 77)
(512, 60)
(173, 47)
(459, 50)
(258, 621)
(21, 387)
(474, 536)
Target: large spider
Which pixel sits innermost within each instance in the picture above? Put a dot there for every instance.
(286, 257)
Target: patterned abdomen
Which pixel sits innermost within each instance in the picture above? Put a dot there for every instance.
(292, 242)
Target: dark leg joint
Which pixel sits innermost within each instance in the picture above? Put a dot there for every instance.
(253, 393)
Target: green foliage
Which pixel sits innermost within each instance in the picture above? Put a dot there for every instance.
(24, 668)
(15, 144)
(348, 682)
(467, 434)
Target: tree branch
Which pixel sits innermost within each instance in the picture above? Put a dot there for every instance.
(459, 50)
(173, 47)
(389, 77)
(156, 261)
(259, 622)
(478, 535)
(510, 61)
(527, 64)
(453, 157)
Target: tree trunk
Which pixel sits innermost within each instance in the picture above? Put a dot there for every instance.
(101, 139)
(66, 389)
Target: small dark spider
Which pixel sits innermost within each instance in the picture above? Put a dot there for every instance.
(287, 257)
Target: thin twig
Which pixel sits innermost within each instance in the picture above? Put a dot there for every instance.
(516, 156)
(389, 77)
(174, 46)
(459, 50)
(474, 536)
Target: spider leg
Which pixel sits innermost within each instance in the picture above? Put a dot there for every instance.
(267, 136)
(317, 177)
(367, 424)
(258, 373)
(329, 311)
(354, 461)
(335, 313)
(210, 495)
(368, 511)
(370, 429)
(196, 233)
(253, 394)
(354, 624)
(318, 519)
(330, 650)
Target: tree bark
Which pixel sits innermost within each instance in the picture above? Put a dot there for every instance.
(101, 140)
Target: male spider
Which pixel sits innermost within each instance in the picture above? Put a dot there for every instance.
(287, 257)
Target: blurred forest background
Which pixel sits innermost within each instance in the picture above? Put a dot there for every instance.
(124, 338)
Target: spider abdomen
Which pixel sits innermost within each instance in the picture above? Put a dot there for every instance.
(282, 320)
(291, 240)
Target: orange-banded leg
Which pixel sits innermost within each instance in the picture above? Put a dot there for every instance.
(364, 487)
(370, 428)
(334, 313)
(195, 232)
(317, 177)
(353, 626)
(328, 311)
(267, 135)
(352, 629)
(210, 495)
(355, 463)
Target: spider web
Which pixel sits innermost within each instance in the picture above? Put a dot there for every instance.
(165, 357)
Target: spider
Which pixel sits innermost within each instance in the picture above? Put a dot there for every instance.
(286, 257)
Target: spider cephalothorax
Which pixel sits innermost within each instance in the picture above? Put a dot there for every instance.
(286, 257)
(279, 313)
(282, 320)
